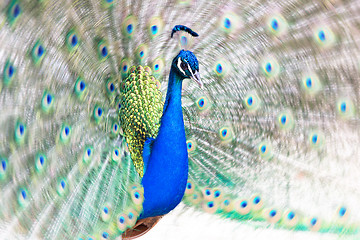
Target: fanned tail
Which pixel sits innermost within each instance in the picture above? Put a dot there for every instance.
(271, 138)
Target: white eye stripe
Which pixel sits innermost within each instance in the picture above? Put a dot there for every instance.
(192, 74)
(179, 67)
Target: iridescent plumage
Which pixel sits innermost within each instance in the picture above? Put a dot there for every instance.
(140, 112)
(271, 137)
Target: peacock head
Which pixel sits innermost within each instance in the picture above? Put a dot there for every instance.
(187, 66)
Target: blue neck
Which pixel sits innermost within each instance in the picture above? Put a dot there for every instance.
(167, 170)
(173, 95)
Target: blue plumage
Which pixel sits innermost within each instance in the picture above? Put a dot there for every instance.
(166, 172)
(183, 28)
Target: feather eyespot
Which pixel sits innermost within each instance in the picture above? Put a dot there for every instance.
(290, 218)
(72, 41)
(218, 195)
(115, 155)
(227, 205)
(142, 52)
(106, 213)
(3, 168)
(194, 198)
(314, 224)
(270, 67)
(65, 133)
(38, 52)
(129, 26)
(105, 235)
(324, 37)
(342, 212)
(110, 87)
(80, 88)
(103, 50)
(311, 84)
(345, 108)
(208, 194)
(124, 68)
(155, 26)
(14, 11)
(137, 196)
(243, 207)
(62, 187)
(226, 134)
(230, 23)
(47, 102)
(191, 146)
(203, 104)
(131, 217)
(158, 66)
(265, 150)
(23, 197)
(210, 206)
(115, 129)
(316, 139)
(9, 73)
(190, 187)
(20, 133)
(290, 215)
(183, 41)
(286, 120)
(221, 68)
(121, 223)
(277, 25)
(256, 202)
(273, 215)
(98, 114)
(243, 204)
(252, 101)
(87, 154)
(40, 163)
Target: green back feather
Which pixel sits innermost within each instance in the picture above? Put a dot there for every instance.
(140, 112)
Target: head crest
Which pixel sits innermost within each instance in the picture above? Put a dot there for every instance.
(185, 29)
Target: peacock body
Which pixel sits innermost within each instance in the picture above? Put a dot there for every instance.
(100, 127)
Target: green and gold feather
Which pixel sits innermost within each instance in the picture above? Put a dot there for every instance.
(140, 112)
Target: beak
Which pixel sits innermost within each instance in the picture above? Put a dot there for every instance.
(196, 78)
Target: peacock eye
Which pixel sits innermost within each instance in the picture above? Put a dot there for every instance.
(183, 66)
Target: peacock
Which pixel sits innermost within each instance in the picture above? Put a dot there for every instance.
(106, 125)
